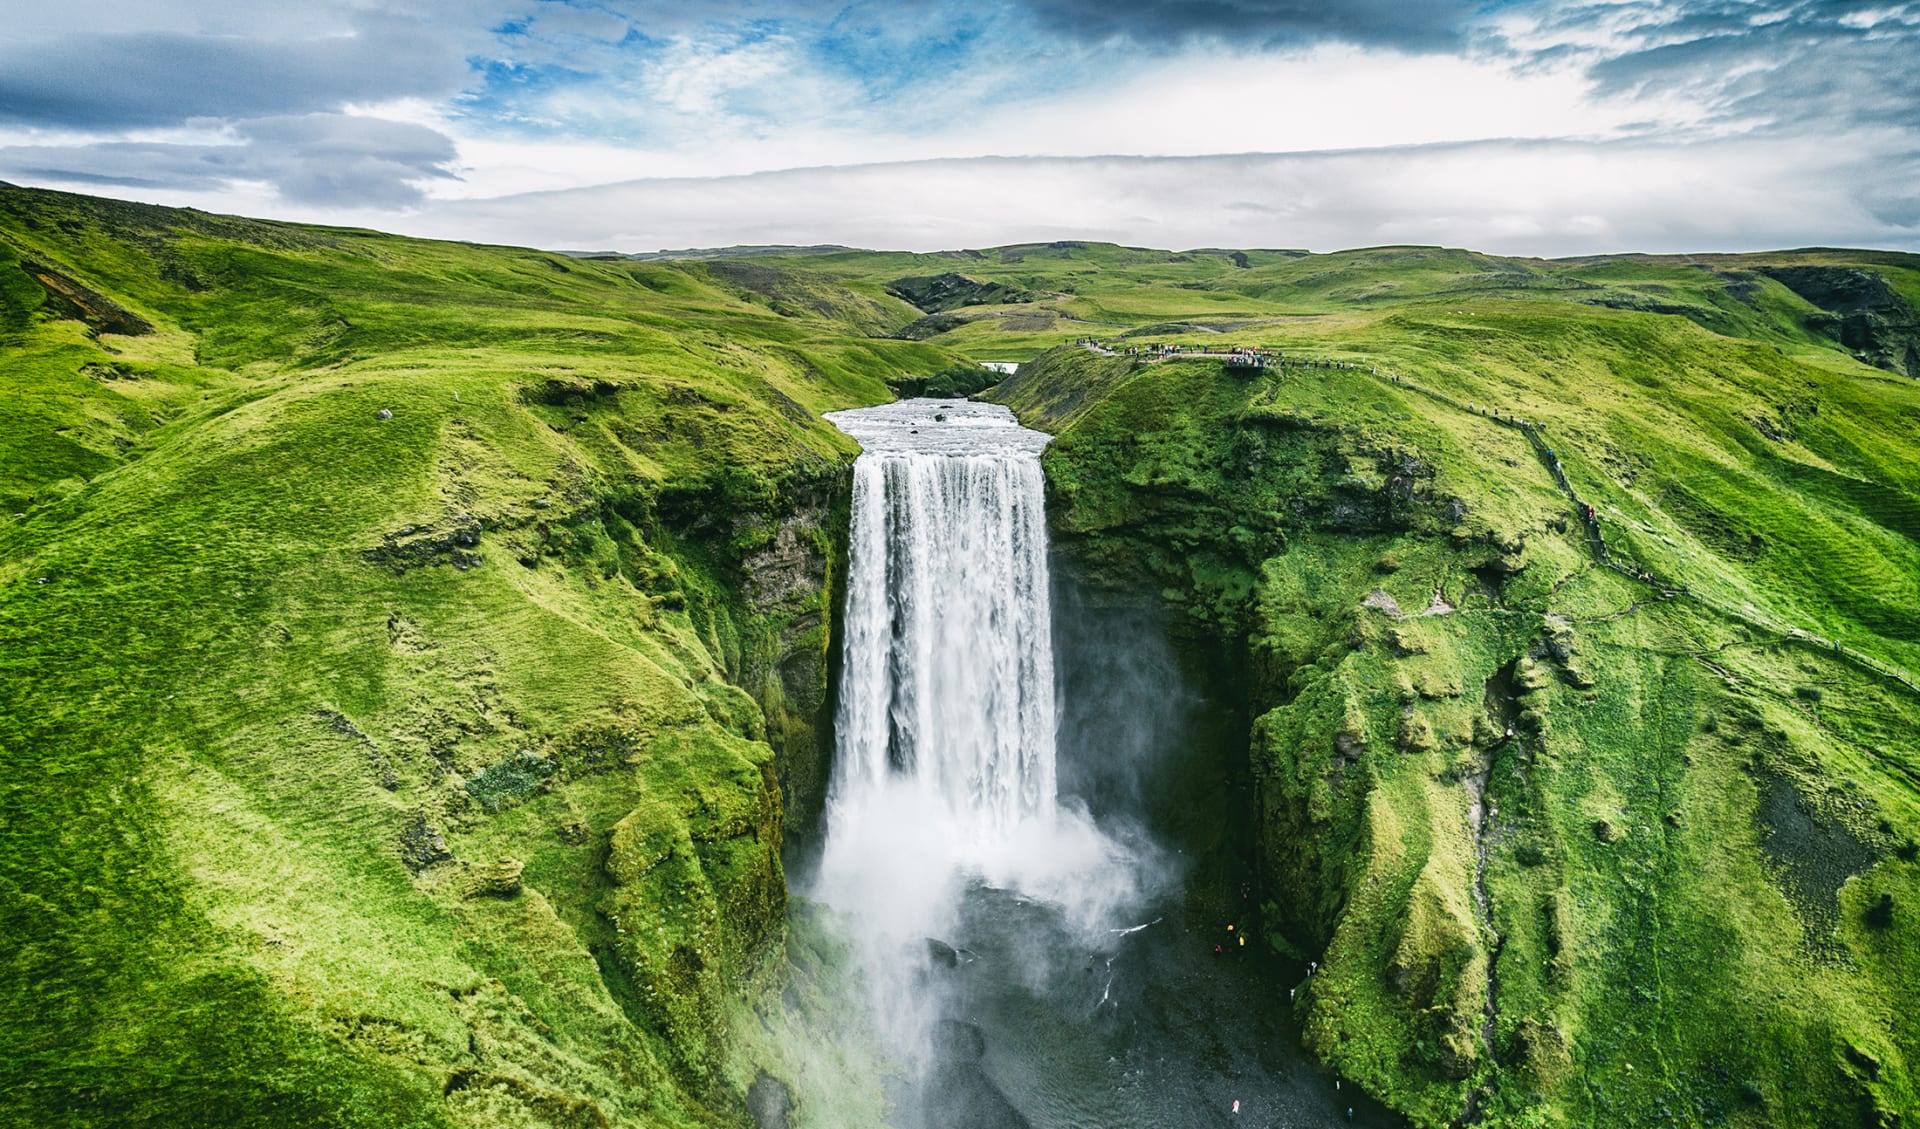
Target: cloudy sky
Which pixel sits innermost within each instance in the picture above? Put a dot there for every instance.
(1524, 126)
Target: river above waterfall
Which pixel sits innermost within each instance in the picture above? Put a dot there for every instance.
(1037, 831)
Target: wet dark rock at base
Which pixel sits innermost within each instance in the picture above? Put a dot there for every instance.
(959, 1042)
(959, 1093)
(769, 1102)
(943, 954)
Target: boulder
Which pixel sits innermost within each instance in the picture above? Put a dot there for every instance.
(421, 844)
(769, 1102)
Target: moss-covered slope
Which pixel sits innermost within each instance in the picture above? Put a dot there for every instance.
(392, 635)
(1568, 846)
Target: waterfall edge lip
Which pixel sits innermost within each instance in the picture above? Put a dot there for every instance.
(928, 426)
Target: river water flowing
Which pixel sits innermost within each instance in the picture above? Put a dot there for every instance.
(1031, 835)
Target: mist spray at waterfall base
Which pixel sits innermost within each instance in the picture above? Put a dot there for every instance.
(1028, 946)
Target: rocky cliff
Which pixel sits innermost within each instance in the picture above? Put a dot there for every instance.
(1860, 310)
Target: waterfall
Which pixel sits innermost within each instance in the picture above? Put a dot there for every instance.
(948, 678)
(944, 788)
(1010, 958)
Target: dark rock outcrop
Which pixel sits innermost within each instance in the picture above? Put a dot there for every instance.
(71, 299)
(960, 1094)
(789, 585)
(1863, 313)
(939, 293)
(942, 954)
(769, 1102)
(412, 546)
(933, 325)
(421, 845)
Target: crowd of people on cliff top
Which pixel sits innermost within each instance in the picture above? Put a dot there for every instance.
(1239, 356)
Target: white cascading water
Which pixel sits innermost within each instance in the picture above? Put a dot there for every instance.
(944, 776)
(948, 677)
(1025, 967)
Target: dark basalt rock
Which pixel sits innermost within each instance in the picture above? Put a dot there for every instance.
(412, 546)
(70, 299)
(1863, 313)
(421, 844)
(959, 1042)
(960, 1095)
(769, 1102)
(933, 325)
(945, 955)
(939, 293)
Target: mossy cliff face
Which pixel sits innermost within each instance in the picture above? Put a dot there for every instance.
(792, 583)
(1565, 847)
(405, 647)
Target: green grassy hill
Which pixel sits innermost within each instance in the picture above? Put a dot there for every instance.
(1570, 846)
(413, 655)
(296, 692)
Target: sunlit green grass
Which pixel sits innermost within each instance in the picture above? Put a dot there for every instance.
(222, 722)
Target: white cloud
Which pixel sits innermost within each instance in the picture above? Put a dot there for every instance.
(1186, 104)
(1798, 120)
(1537, 198)
(707, 77)
(1329, 98)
